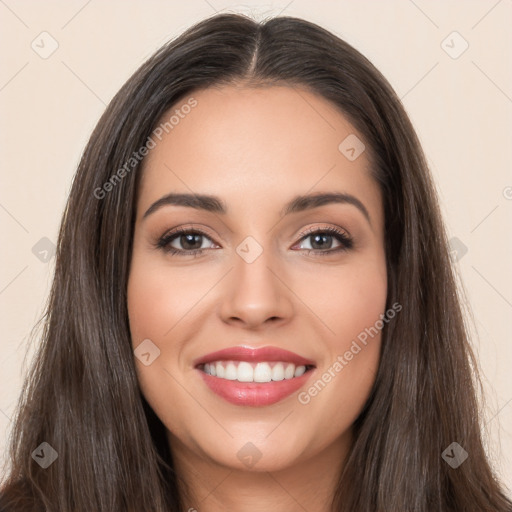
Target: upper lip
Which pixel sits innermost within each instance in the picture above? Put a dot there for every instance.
(261, 354)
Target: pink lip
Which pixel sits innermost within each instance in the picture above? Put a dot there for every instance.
(255, 394)
(249, 354)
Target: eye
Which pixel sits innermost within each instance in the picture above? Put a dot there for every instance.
(322, 238)
(191, 241)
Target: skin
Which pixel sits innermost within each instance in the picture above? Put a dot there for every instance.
(257, 149)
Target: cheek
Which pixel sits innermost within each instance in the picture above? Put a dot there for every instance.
(360, 305)
(157, 301)
(159, 298)
(148, 299)
(351, 303)
(346, 301)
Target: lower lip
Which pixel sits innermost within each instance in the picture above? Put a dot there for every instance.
(254, 394)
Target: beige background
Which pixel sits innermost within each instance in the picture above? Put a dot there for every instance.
(461, 108)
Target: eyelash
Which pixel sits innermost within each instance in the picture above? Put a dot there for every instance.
(345, 240)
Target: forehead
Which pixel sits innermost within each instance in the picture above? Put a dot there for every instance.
(242, 142)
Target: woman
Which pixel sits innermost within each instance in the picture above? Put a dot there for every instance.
(253, 303)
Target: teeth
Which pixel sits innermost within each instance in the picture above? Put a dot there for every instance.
(231, 372)
(300, 370)
(289, 371)
(219, 370)
(278, 372)
(244, 371)
(262, 372)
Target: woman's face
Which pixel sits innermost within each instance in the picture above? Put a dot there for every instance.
(264, 279)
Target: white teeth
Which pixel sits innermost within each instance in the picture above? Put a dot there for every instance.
(289, 371)
(278, 372)
(262, 372)
(299, 371)
(219, 370)
(244, 371)
(231, 372)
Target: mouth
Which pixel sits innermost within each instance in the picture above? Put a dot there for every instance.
(254, 377)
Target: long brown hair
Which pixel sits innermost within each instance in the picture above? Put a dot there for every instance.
(82, 396)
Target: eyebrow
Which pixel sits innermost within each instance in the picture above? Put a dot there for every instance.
(297, 204)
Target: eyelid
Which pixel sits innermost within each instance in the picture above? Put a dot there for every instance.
(172, 233)
(186, 228)
(317, 229)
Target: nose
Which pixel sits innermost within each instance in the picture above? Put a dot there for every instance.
(256, 293)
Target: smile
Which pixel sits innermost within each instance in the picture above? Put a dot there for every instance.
(244, 371)
(254, 377)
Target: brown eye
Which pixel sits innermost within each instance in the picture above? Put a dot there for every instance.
(188, 242)
(322, 240)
